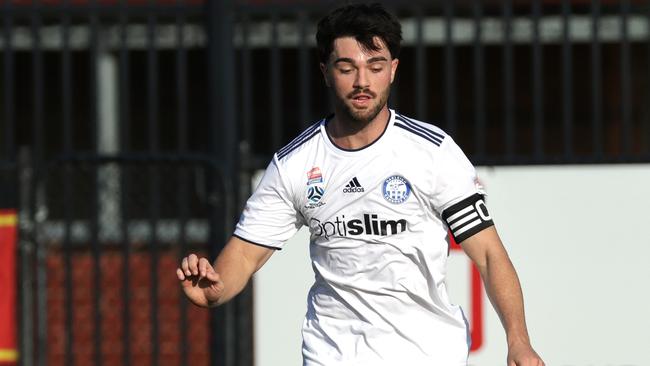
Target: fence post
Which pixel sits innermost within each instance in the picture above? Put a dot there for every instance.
(26, 251)
(223, 142)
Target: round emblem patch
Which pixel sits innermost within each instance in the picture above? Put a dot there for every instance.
(396, 189)
(315, 193)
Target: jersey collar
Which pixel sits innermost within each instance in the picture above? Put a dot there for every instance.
(354, 152)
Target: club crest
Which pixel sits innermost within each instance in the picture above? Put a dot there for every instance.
(396, 189)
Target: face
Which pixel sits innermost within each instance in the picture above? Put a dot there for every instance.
(360, 79)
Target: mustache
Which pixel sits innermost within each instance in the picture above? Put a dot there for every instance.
(362, 91)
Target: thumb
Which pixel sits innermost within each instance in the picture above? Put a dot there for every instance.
(212, 275)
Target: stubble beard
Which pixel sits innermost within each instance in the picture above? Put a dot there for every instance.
(361, 117)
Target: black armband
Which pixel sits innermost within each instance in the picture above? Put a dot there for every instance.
(467, 217)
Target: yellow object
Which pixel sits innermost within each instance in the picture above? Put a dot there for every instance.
(8, 220)
(8, 355)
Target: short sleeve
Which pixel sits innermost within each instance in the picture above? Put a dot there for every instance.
(269, 217)
(457, 195)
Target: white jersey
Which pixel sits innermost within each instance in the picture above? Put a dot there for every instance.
(378, 219)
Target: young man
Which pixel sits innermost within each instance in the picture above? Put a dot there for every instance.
(378, 192)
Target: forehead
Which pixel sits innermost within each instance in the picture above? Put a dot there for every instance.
(349, 47)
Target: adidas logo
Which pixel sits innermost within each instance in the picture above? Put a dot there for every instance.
(353, 186)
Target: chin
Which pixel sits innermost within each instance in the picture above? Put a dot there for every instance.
(365, 115)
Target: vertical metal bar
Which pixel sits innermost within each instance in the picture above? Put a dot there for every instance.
(126, 263)
(538, 84)
(246, 72)
(627, 142)
(479, 79)
(596, 79)
(94, 121)
(222, 88)
(183, 195)
(305, 75)
(646, 122)
(450, 69)
(66, 95)
(508, 65)
(421, 90)
(125, 138)
(39, 139)
(567, 81)
(8, 76)
(67, 252)
(26, 238)
(247, 84)
(154, 177)
(395, 94)
(37, 70)
(276, 89)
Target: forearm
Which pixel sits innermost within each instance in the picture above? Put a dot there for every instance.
(235, 272)
(504, 290)
(236, 263)
(501, 281)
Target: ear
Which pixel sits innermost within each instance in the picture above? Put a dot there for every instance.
(394, 62)
(323, 69)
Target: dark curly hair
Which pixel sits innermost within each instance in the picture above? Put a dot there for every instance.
(363, 22)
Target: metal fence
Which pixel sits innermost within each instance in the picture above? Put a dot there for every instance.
(137, 114)
(99, 259)
(513, 82)
(128, 169)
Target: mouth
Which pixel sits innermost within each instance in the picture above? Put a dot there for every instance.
(361, 99)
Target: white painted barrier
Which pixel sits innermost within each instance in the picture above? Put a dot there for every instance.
(579, 237)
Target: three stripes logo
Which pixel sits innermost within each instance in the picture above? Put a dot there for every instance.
(353, 186)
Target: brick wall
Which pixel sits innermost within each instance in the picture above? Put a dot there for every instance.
(112, 269)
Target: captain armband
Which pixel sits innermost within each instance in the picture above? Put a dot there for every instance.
(467, 217)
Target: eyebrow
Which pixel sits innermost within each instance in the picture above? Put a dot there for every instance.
(351, 61)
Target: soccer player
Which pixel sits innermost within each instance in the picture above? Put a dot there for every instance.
(379, 192)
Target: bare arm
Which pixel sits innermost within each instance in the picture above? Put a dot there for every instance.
(207, 285)
(486, 250)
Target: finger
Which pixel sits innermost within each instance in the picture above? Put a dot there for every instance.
(212, 275)
(180, 274)
(193, 261)
(185, 267)
(203, 266)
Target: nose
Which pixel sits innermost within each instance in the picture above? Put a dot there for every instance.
(361, 81)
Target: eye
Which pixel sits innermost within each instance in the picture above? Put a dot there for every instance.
(345, 71)
(376, 69)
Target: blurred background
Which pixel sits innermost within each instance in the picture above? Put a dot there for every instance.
(130, 131)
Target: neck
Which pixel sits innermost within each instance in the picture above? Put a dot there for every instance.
(350, 134)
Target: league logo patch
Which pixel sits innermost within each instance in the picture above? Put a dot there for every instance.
(396, 189)
(315, 193)
(315, 189)
(314, 176)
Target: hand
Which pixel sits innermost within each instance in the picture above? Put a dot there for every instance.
(200, 283)
(522, 354)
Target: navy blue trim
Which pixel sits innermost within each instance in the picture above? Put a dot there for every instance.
(413, 123)
(304, 133)
(415, 126)
(426, 137)
(282, 155)
(361, 148)
(254, 243)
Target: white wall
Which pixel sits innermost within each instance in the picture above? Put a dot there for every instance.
(577, 237)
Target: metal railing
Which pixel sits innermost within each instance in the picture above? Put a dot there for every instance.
(115, 214)
(513, 83)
